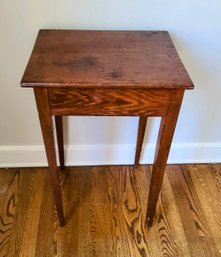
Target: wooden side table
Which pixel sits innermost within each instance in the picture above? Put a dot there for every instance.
(125, 73)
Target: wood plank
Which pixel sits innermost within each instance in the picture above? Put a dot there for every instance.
(8, 200)
(171, 234)
(33, 206)
(192, 213)
(106, 208)
(45, 243)
(207, 193)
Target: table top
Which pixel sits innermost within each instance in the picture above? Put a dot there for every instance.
(89, 58)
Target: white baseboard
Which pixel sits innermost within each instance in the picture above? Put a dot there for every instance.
(34, 156)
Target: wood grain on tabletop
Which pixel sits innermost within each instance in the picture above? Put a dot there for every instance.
(86, 58)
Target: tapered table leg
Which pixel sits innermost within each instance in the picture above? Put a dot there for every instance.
(41, 96)
(60, 140)
(140, 137)
(165, 136)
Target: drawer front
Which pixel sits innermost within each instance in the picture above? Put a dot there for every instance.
(112, 102)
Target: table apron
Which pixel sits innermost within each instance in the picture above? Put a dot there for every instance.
(109, 102)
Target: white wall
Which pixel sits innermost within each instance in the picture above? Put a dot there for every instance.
(195, 27)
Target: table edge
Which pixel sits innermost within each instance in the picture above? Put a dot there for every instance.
(106, 85)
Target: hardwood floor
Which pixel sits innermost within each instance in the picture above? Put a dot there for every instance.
(105, 208)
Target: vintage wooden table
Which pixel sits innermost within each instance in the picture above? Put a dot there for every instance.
(111, 73)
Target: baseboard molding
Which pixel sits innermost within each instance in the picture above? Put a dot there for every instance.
(34, 156)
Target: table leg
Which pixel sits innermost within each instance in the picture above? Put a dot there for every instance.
(41, 96)
(167, 127)
(140, 137)
(60, 140)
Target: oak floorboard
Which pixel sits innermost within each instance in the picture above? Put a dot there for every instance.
(192, 213)
(171, 234)
(8, 201)
(34, 194)
(209, 200)
(105, 209)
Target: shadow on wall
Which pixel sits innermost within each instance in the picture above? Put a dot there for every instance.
(106, 134)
